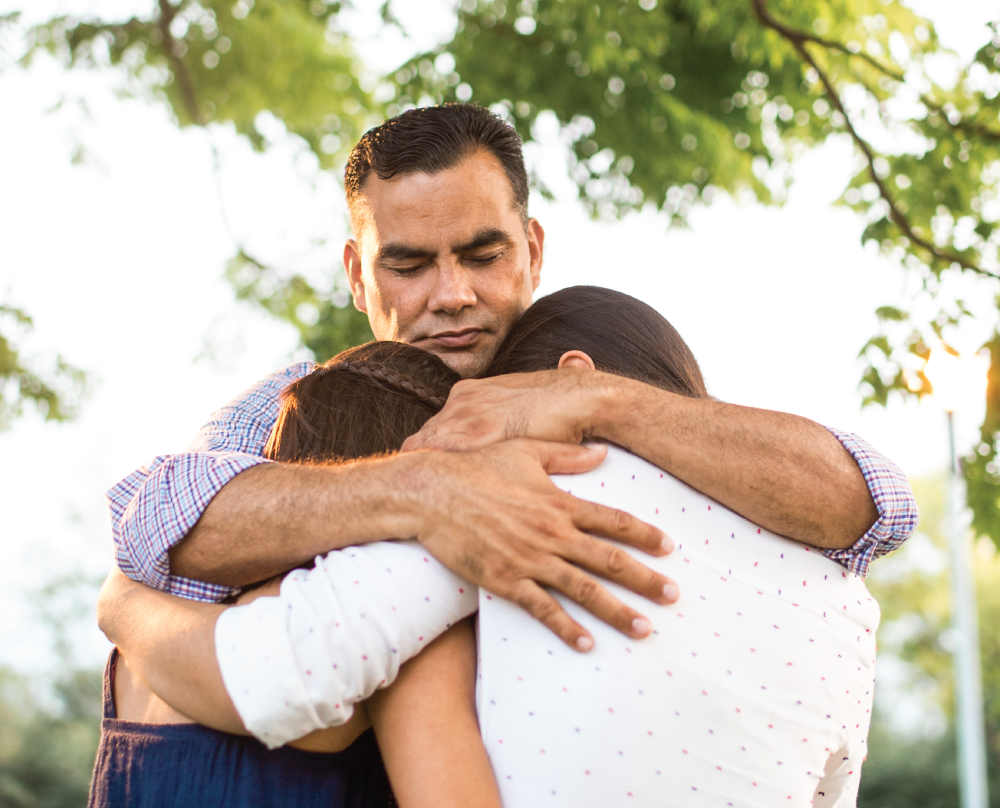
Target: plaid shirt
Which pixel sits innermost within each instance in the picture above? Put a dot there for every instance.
(154, 507)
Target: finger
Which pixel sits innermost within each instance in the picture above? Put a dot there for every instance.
(588, 592)
(546, 610)
(568, 458)
(615, 564)
(422, 438)
(621, 526)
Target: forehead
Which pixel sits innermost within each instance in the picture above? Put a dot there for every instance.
(422, 208)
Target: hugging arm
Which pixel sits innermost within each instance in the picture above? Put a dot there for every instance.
(782, 472)
(288, 662)
(170, 643)
(200, 523)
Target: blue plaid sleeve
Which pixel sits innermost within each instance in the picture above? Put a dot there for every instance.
(155, 506)
(897, 509)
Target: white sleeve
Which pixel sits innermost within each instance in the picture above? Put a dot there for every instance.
(298, 662)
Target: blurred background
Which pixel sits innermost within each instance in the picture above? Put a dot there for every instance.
(807, 189)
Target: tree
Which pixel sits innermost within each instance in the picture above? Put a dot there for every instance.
(916, 616)
(54, 392)
(667, 103)
(216, 62)
(49, 737)
(664, 102)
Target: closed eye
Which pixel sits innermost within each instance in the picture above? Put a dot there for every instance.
(485, 259)
(408, 270)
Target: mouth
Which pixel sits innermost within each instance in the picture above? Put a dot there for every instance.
(459, 338)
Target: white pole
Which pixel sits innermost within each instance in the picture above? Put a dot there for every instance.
(968, 677)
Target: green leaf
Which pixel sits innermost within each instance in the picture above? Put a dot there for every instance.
(55, 392)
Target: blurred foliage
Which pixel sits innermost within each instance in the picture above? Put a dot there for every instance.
(661, 102)
(47, 752)
(325, 322)
(916, 620)
(54, 392)
(981, 467)
(216, 61)
(911, 773)
(49, 736)
(666, 103)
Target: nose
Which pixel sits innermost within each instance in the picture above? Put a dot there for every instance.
(453, 290)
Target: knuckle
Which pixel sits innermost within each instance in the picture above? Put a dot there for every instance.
(542, 608)
(617, 560)
(586, 590)
(622, 521)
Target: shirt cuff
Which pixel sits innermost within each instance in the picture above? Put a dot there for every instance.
(172, 496)
(894, 501)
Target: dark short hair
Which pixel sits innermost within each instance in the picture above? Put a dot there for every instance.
(622, 335)
(431, 139)
(365, 401)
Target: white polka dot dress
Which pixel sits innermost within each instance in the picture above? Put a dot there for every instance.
(754, 690)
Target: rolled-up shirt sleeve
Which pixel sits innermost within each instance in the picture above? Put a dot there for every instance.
(893, 497)
(154, 507)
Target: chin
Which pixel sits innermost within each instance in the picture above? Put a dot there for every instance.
(467, 364)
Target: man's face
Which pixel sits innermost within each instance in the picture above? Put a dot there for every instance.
(442, 261)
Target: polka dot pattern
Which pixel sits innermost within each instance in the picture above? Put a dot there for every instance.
(755, 688)
(336, 633)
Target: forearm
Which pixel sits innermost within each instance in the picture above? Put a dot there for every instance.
(783, 472)
(170, 644)
(301, 661)
(274, 517)
(427, 729)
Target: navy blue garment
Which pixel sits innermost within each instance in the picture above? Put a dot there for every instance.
(188, 766)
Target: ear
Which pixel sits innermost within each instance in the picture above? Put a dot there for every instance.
(576, 359)
(536, 241)
(352, 266)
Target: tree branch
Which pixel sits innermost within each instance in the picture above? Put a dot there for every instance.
(172, 47)
(798, 40)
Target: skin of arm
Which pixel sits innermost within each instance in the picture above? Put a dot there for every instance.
(781, 471)
(490, 515)
(425, 722)
(167, 671)
(428, 732)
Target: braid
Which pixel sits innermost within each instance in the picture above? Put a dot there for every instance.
(399, 381)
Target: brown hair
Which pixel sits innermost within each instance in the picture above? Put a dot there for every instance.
(364, 401)
(431, 139)
(622, 335)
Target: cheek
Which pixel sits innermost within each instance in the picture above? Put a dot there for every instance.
(400, 307)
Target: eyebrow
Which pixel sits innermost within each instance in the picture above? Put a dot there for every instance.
(484, 238)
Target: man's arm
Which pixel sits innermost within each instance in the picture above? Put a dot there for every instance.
(492, 516)
(155, 506)
(200, 523)
(781, 471)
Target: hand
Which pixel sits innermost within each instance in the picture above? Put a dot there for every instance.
(494, 517)
(550, 405)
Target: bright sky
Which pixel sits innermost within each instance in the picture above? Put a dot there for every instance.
(120, 262)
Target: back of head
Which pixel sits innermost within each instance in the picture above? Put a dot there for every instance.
(365, 401)
(432, 139)
(622, 335)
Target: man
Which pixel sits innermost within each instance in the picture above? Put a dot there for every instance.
(445, 257)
